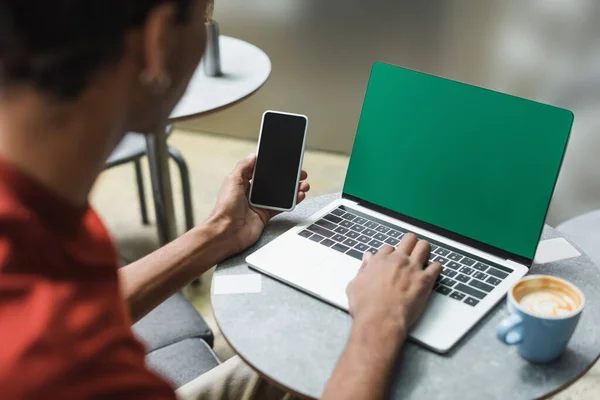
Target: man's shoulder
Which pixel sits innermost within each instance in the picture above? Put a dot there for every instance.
(65, 339)
(11, 209)
(19, 231)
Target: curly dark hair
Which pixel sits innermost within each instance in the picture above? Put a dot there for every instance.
(57, 45)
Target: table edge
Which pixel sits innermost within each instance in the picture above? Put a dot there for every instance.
(186, 118)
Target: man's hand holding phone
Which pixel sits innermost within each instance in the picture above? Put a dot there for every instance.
(234, 212)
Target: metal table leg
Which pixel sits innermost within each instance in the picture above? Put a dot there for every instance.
(158, 156)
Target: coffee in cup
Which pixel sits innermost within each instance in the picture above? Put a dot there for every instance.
(547, 297)
(544, 311)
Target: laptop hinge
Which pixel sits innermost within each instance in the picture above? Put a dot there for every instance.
(511, 262)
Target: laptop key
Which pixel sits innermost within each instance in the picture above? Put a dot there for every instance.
(338, 238)
(373, 250)
(454, 265)
(327, 242)
(326, 224)
(360, 221)
(471, 301)
(375, 243)
(467, 261)
(454, 256)
(493, 281)
(363, 239)
(333, 218)
(442, 252)
(448, 282)
(449, 273)
(392, 241)
(362, 247)
(443, 290)
(463, 278)
(338, 212)
(350, 242)
(394, 234)
(457, 295)
(470, 291)
(441, 260)
(381, 237)
(321, 231)
(382, 229)
(371, 225)
(369, 232)
(349, 216)
(316, 238)
(340, 247)
(346, 223)
(305, 234)
(480, 266)
(341, 230)
(497, 273)
(466, 270)
(481, 286)
(480, 275)
(357, 228)
(356, 254)
(352, 234)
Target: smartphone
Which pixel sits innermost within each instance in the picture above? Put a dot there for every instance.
(279, 161)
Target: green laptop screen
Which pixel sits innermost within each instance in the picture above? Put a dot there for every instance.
(475, 162)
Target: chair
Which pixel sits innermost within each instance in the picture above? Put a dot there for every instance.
(131, 149)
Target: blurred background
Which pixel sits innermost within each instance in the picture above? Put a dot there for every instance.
(322, 51)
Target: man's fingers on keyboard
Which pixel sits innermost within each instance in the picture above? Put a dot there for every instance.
(420, 254)
(366, 257)
(385, 250)
(408, 243)
(433, 270)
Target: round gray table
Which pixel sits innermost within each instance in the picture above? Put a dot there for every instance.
(295, 340)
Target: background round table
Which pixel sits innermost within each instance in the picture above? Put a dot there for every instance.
(296, 340)
(245, 69)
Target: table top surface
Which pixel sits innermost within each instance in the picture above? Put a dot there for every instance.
(296, 340)
(245, 69)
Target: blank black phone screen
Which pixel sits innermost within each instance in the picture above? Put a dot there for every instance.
(279, 157)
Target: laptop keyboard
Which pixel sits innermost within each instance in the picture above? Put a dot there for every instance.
(464, 278)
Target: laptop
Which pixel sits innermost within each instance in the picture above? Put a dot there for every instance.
(468, 169)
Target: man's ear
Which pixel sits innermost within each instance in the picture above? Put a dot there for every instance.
(158, 34)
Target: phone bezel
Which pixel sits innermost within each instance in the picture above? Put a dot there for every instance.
(294, 203)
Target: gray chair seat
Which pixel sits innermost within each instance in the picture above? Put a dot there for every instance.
(585, 232)
(183, 361)
(172, 321)
(132, 147)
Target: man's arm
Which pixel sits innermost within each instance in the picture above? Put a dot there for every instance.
(386, 298)
(232, 227)
(364, 368)
(151, 280)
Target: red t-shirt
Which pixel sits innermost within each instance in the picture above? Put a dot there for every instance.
(65, 332)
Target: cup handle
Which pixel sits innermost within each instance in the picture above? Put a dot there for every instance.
(510, 330)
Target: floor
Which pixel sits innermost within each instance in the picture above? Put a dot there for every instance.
(210, 159)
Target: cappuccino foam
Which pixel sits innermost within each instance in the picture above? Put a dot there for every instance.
(549, 302)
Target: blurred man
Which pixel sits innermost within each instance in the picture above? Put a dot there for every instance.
(75, 76)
